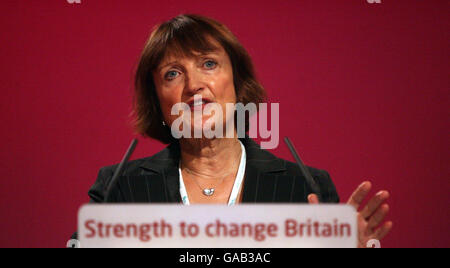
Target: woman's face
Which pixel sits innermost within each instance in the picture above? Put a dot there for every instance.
(209, 75)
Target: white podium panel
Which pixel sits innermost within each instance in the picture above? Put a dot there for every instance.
(217, 226)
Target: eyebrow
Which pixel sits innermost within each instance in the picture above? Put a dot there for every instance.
(167, 64)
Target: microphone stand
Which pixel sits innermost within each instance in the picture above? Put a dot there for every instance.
(119, 169)
(309, 179)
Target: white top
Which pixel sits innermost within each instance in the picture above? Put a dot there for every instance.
(236, 186)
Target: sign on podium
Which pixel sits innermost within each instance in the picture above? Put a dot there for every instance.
(217, 226)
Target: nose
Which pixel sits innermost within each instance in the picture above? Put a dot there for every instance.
(194, 82)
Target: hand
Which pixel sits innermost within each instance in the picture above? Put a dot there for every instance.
(370, 216)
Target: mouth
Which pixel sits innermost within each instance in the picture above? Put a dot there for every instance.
(198, 103)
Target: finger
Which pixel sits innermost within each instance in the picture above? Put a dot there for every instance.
(383, 230)
(374, 203)
(359, 194)
(313, 199)
(378, 216)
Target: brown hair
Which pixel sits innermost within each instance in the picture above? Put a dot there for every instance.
(181, 36)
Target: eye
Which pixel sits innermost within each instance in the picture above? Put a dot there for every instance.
(170, 75)
(210, 64)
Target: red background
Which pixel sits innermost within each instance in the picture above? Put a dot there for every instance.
(363, 92)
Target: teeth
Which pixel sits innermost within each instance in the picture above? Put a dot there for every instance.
(199, 102)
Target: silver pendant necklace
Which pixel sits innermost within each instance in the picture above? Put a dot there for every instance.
(210, 191)
(207, 191)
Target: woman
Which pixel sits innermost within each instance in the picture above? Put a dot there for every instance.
(192, 55)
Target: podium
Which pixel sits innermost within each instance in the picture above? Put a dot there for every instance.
(217, 226)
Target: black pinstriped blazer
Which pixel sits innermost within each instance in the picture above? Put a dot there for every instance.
(267, 179)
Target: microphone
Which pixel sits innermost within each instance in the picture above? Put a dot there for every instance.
(119, 169)
(309, 179)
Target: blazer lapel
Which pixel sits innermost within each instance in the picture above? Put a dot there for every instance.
(164, 167)
(262, 183)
